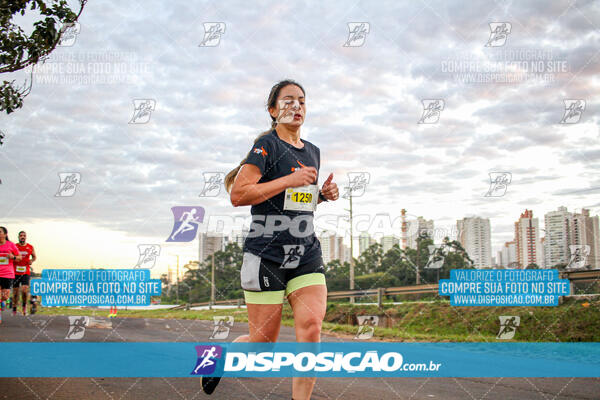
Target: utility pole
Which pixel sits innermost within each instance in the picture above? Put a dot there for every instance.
(200, 245)
(169, 281)
(177, 280)
(404, 243)
(212, 280)
(417, 266)
(351, 252)
(349, 195)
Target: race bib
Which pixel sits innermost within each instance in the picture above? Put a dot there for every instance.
(3, 260)
(21, 268)
(303, 198)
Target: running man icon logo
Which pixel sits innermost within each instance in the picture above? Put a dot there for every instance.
(508, 327)
(358, 34)
(579, 255)
(142, 109)
(357, 183)
(287, 109)
(499, 32)
(291, 256)
(432, 108)
(68, 183)
(223, 324)
(212, 34)
(68, 34)
(207, 359)
(148, 255)
(213, 181)
(185, 225)
(499, 182)
(366, 326)
(574, 109)
(436, 257)
(77, 327)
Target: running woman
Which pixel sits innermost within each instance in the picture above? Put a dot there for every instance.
(22, 272)
(8, 254)
(279, 178)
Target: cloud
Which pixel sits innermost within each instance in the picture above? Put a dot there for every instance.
(363, 107)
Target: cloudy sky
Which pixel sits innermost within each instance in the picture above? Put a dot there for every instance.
(503, 98)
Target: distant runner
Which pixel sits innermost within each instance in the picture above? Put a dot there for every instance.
(22, 273)
(8, 254)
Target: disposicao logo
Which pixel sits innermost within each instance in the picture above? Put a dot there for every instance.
(207, 359)
(266, 359)
(320, 362)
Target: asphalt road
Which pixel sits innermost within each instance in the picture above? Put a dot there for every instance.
(40, 328)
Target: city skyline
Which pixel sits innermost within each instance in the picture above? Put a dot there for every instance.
(472, 232)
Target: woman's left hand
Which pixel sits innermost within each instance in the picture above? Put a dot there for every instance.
(330, 189)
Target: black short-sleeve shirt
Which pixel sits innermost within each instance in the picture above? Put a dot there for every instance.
(271, 237)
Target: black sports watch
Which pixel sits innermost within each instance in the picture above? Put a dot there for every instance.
(321, 196)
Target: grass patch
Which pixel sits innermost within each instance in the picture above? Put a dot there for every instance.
(573, 321)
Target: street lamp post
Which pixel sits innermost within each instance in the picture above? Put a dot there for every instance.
(212, 281)
(417, 266)
(351, 245)
(351, 252)
(404, 257)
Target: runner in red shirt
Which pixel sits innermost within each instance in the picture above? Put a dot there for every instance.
(22, 272)
(8, 253)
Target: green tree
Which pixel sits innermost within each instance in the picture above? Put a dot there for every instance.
(455, 257)
(196, 282)
(370, 260)
(337, 275)
(19, 50)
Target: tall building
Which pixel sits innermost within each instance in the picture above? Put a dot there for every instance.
(543, 256)
(403, 230)
(364, 242)
(210, 243)
(474, 234)
(583, 230)
(239, 237)
(415, 227)
(326, 246)
(333, 248)
(387, 242)
(508, 257)
(556, 242)
(527, 238)
(347, 255)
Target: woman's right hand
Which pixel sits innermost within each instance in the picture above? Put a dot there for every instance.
(302, 177)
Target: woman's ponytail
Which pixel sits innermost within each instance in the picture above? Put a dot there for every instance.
(230, 177)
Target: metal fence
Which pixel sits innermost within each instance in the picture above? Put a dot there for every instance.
(380, 293)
